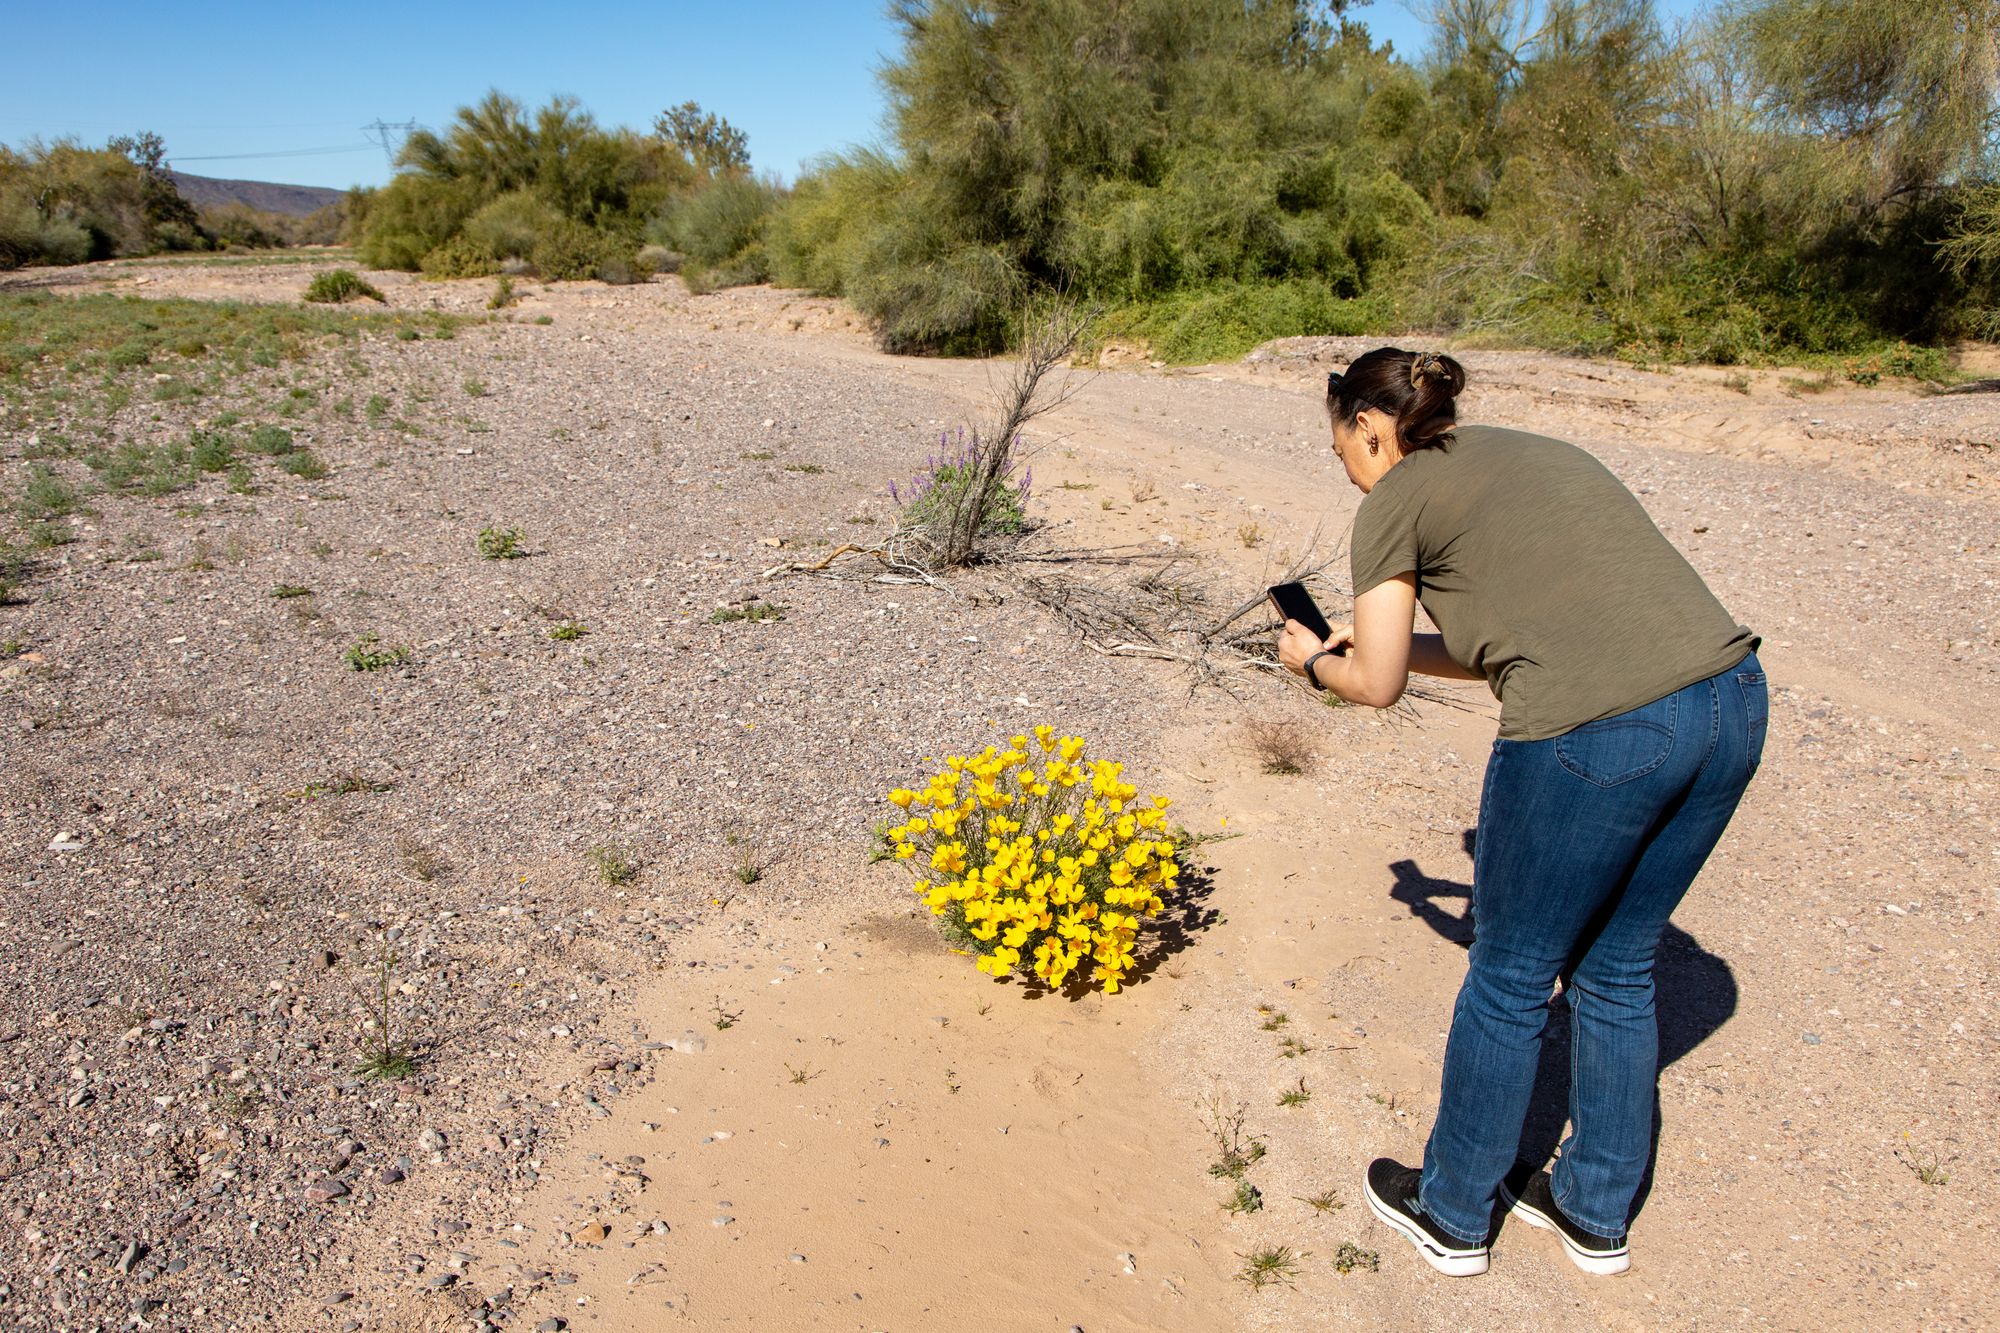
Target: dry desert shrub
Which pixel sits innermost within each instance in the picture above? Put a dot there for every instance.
(1281, 747)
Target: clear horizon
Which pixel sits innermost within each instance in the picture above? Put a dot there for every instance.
(281, 96)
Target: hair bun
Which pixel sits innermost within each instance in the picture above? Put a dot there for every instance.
(1426, 366)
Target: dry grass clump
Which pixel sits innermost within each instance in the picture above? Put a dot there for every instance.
(1282, 748)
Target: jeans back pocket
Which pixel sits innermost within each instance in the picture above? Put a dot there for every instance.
(1618, 749)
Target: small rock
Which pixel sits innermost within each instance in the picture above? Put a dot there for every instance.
(797, 1258)
(389, 1175)
(551, 1326)
(592, 1234)
(881, 1143)
(441, 1281)
(326, 1191)
(688, 1043)
(431, 1141)
(721, 1220)
(65, 842)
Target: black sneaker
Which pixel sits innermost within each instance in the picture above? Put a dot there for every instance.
(1392, 1196)
(1526, 1194)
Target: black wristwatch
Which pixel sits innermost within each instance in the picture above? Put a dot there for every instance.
(1312, 662)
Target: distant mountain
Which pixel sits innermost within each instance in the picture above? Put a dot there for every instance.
(297, 200)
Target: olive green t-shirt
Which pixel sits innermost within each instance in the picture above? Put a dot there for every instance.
(1546, 576)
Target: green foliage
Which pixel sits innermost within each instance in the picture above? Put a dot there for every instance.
(369, 654)
(718, 230)
(62, 203)
(500, 544)
(341, 284)
(1772, 182)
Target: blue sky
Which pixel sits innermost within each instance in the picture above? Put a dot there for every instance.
(225, 80)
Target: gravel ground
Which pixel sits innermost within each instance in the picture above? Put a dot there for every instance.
(213, 832)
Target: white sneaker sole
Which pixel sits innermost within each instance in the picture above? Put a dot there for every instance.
(1452, 1263)
(1598, 1263)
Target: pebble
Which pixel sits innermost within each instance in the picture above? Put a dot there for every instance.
(797, 1258)
(592, 1234)
(551, 1326)
(431, 1141)
(721, 1220)
(326, 1191)
(441, 1281)
(65, 842)
(688, 1043)
(881, 1143)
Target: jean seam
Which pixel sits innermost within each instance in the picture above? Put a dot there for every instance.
(1586, 1223)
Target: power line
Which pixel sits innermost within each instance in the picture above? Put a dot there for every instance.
(282, 152)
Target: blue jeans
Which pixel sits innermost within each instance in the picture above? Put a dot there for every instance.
(1587, 842)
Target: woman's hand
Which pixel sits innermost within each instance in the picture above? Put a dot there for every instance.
(1297, 643)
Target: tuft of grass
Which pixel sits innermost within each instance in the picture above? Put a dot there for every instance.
(499, 543)
(212, 450)
(504, 294)
(474, 388)
(753, 611)
(340, 285)
(1273, 1019)
(569, 632)
(1326, 1201)
(285, 591)
(1927, 1168)
(1251, 535)
(1297, 1096)
(1282, 748)
(365, 655)
(804, 1073)
(1271, 1264)
(809, 469)
(612, 864)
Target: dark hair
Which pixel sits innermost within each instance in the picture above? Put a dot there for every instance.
(1419, 389)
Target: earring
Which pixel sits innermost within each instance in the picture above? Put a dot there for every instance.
(1374, 446)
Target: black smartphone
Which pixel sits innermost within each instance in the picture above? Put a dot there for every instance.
(1293, 602)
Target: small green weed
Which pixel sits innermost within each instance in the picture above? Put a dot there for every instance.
(1245, 1198)
(752, 611)
(612, 864)
(1326, 1201)
(724, 1018)
(475, 388)
(273, 440)
(503, 293)
(45, 496)
(305, 465)
(568, 632)
(288, 590)
(500, 543)
(365, 655)
(1297, 1096)
(1351, 1258)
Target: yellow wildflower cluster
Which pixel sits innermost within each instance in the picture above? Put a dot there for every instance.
(1039, 858)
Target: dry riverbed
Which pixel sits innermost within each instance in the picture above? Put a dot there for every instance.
(684, 1058)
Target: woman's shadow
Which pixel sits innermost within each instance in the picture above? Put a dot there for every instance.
(1696, 996)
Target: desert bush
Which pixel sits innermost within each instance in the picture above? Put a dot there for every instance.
(946, 486)
(718, 230)
(340, 285)
(507, 227)
(459, 257)
(63, 203)
(1039, 859)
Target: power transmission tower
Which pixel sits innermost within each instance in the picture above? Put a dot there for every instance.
(390, 136)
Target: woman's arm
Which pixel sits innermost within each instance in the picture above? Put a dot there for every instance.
(1381, 650)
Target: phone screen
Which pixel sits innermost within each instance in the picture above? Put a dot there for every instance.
(1295, 603)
